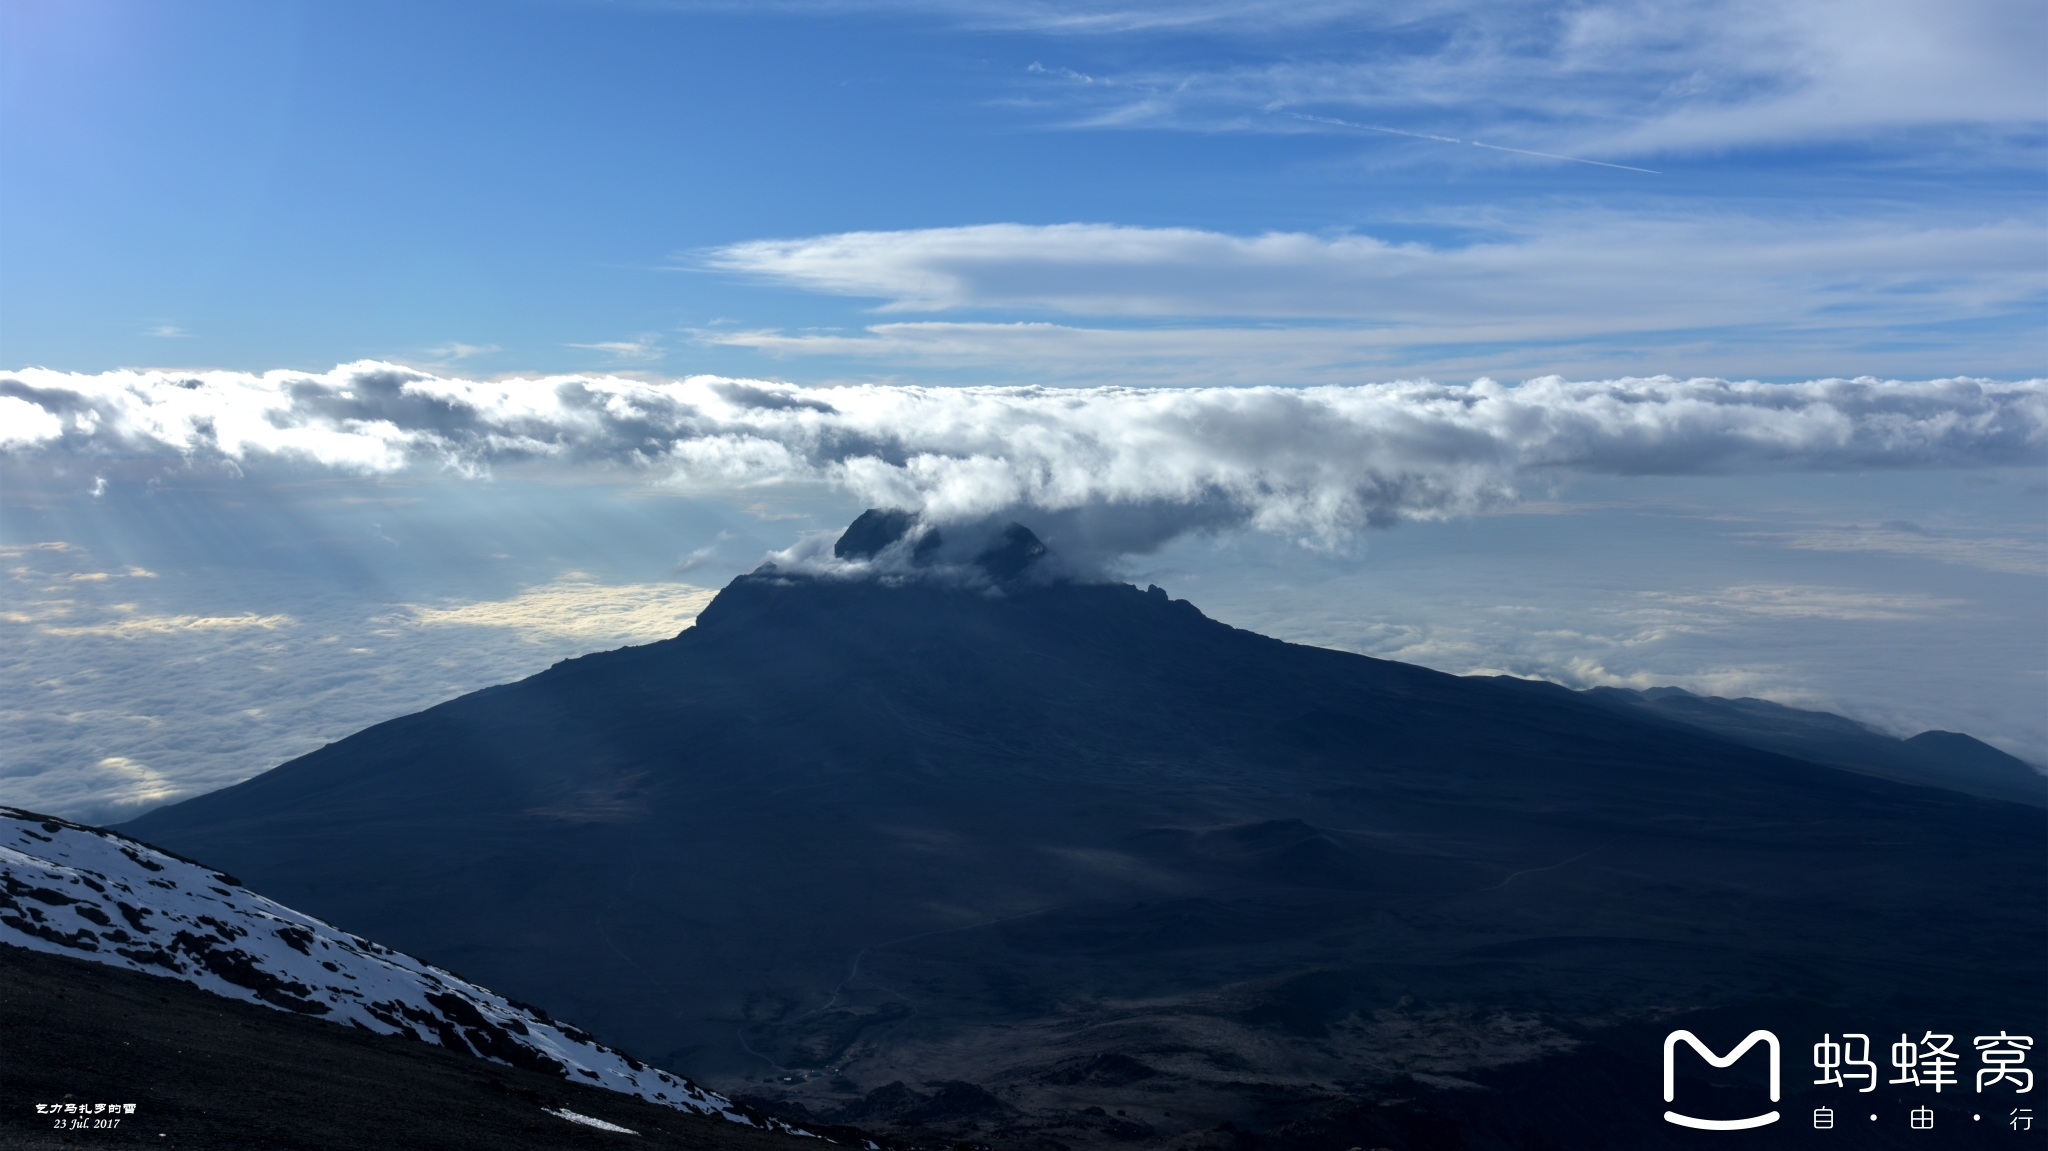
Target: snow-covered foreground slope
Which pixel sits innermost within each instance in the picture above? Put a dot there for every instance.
(95, 894)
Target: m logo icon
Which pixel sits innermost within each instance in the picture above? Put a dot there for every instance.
(1671, 1043)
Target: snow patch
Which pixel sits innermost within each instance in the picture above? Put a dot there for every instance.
(588, 1121)
(70, 889)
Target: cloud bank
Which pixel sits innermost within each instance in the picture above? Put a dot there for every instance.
(579, 610)
(1121, 469)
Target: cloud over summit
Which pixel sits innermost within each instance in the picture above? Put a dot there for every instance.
(1121, 468)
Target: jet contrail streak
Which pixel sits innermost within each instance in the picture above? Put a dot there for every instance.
(1555, 156)
(1473, 143)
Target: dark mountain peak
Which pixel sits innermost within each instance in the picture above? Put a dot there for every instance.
(1957, 748)
(1012, 552)
(895, 542)
(878, 528)
(1002, 601)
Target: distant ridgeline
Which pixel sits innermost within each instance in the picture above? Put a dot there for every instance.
(1083, 861)
(1944, 759)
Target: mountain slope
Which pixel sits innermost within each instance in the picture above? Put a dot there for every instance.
(90, 893)
(1944, 759)
(846, 832)
(207, 1072)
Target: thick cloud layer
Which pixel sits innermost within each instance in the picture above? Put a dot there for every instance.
(1120, 469)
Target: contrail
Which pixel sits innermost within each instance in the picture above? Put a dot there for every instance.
(1555, 156)
(1473, 143)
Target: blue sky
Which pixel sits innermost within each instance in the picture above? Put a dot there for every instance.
(356, 356)
(1841, 189)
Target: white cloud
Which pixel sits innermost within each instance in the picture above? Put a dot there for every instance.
(643, 350)
(1552, 279)
(1590, 293)
(126, 625)
(1990, 552)
(1315, 461)
(23, 423)
(1641, 595)
(456, 350)
(1342, 354)
(1085, 18)
(130, 784)
(1828, 68)
(110, 707)
(1777, 601)
(580, 609)
(1619, 78)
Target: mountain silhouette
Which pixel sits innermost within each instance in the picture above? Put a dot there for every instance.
(1945, 759)
(1127, 871)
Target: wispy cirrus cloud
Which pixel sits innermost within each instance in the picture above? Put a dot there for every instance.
(1627, 78)
(645, 349)
(455, 351)
(1605, 78)
(1081, 18)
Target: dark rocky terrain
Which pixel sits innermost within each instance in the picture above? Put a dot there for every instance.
(72, 889)
(1945, 759)
(208, 1072)
(1073, 864)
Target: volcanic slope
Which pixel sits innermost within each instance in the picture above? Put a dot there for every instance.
(95, 895)
(203, 1071)
(1944, 759)
(850, 831)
